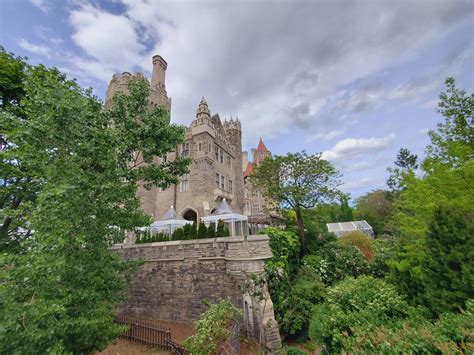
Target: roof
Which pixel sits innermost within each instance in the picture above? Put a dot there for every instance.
(223, 208)
(171, 214)
(261, 146)
(348, 226)
(248, 170)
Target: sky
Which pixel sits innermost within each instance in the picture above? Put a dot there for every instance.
(355, 80)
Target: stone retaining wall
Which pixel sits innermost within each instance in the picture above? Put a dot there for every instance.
(177, 276)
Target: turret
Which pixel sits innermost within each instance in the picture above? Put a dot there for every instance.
(159, 72)
(203, 110)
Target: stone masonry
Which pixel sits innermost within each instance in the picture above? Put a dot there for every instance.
(177, 276)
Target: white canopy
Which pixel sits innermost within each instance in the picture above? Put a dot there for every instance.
(237, 222)
(170, 221)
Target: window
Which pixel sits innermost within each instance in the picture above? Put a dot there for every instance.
(216, 152)
(199, 146)
(228, 161)
(230, 186)
(255, 208)
(164, 158)
(254, 194)
(218, 180)
(185, 149)
(184, 183)
(247, 206)
(222, 182)
(221, 156)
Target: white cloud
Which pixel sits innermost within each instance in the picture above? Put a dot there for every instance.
(112, 40)
(363, 183)
(350, 148)
(326, 136)
(40, 4)
(35, 48)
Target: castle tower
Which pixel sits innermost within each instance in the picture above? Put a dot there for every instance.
(203, 110)
(233, 131)
(260, 153)
(159, 72)
(158, 97)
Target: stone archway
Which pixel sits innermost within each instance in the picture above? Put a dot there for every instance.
(190, 214)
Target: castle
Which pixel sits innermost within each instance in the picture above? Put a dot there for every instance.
(219, 168)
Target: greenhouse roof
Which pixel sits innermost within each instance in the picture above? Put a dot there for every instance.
(348, 226)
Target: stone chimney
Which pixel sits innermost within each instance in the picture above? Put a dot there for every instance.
(159, 71)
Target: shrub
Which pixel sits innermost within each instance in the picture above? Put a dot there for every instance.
(356, 303)
(211, 231)
(212, 328)
(384, 249)
(306, 291)
(291, 350)
(448, 267)
(202, 231)
(359, 240)
(451, 334)
(335, 262)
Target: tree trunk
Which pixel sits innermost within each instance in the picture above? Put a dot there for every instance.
(299, 222)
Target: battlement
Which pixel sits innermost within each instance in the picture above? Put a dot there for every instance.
(232, 124)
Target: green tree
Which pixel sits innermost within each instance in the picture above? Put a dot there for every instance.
(213, 328)
(356, 303)
(376, 207)
(300, 181)
(202, 231)
(359, 240)
(452, 143)
(59, 289)
(448, 268)
(211, 231)
(406, 163)
(447, 181)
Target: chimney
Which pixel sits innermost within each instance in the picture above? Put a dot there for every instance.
(159, 71)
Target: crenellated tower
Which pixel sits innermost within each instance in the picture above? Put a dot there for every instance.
(233, 130)
(158, 94)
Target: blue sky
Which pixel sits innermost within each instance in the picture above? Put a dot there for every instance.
(354, 80)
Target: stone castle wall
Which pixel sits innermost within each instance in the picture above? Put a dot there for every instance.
(177, 276)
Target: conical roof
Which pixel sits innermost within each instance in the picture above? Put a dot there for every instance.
(223, 208)
(171, 214)
(261, 146)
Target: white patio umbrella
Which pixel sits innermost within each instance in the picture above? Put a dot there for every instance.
(170, 221)
(237, 222)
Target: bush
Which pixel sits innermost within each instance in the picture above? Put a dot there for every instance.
(448, 267)
(212, 328)
(356, 303)
(451, 334)
(359, 240)
(202, 231)
(291, 350)
(306, 291)
(335, 262)
(384, 249)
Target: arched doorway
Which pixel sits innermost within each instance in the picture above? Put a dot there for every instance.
(190, 215)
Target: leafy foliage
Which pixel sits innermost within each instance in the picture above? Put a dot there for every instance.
(60, 284)
(334, 262)
(451, 334)
(376, 208)
(299, 181)
(306, 290)
(452, 143)
(359, 240)
(212, 328)
(356, 303)
(448, 268)
(448, 181)
(406, 163)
